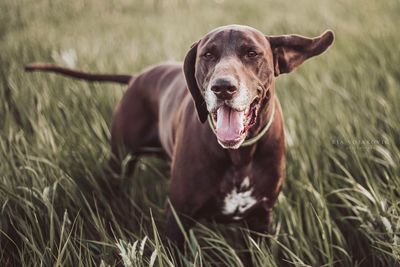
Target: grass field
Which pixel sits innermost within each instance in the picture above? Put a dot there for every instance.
(340, 204)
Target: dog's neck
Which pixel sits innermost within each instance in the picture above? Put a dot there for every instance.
(265, 116)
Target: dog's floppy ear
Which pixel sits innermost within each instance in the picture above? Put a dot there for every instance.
(189, 65)
(289, 51)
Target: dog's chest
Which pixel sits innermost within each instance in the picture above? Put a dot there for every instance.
(237, 195)
(238, 200)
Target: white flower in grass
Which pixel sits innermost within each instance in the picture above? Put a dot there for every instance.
(132, 254)
(127, 252)
(67, 57)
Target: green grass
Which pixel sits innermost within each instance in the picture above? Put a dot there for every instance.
(340, 204)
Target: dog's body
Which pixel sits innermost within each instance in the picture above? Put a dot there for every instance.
(208, 181)
(230, 75)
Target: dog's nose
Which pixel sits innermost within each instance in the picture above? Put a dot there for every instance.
(224, 89)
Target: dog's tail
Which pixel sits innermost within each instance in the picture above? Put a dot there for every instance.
(118, 78)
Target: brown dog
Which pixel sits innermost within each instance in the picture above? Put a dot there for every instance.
(231, 168)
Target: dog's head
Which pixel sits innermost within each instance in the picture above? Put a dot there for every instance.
(230, 74)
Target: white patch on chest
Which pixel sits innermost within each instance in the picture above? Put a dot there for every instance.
(239, 202)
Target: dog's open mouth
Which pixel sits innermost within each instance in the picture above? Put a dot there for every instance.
(232, 125)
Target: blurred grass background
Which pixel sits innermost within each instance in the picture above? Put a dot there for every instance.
(340, 204)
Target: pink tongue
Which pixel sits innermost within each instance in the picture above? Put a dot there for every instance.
(229, 123)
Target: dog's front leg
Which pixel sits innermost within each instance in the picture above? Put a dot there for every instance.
(259, 225)
(177, 224)
(186, 198)
(179, 220)
(259, 222)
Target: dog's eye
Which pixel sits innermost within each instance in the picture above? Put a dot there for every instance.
(251, 54)
(209, 56)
